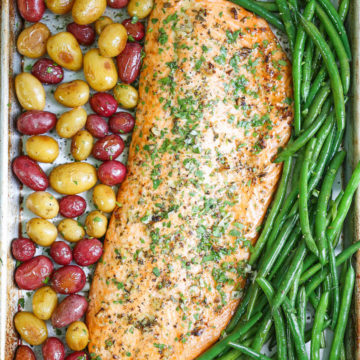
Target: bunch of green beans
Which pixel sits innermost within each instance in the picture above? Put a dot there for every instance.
(303, 225)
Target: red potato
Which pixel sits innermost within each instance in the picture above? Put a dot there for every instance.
(33, 273)
(23, 352)
(23, 249)
(31, 10)
(47, 72)
(103, 104)
(78, 355)
(117, 4)
(30, 173)
(97, 126)
(129, 62)
(121, 123)
(71, 309)
(84, 34)
(53, 349)
(69, 279)
(35, 122)
(88, 251)
(112, 172)
(135, 30)
(72, 206)
(108, 148)
(61, 253)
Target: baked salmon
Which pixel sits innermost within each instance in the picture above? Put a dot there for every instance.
(215, 106)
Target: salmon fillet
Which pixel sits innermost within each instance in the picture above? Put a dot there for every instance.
(215, 106)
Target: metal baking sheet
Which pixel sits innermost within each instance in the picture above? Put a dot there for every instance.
(13, 216)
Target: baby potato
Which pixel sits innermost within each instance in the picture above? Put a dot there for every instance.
(70, 230)
(100, 72)
(59, 7)
(64, 49)
(96, 224)
(112, 40)
(126, 95)
(140, 8)
(73, 178)
(102, 23)
(30, 328)
(42, 148)
(72, 94)
(30, 92)
(81, 145)
(77, 336)
(104, 198)
(43, 204)
(71, 122)
(32, 40)
(87, 11)
(44, 302)
(41, 232)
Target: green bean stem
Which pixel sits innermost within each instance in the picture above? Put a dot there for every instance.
(306, 69)
(289, 25)
(335, 294)
(301, 308)
(248, 351)
(315, 86)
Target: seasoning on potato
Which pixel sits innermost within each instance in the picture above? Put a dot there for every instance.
(64, 49)
(43, 204)
(42, 148)
(104, 198)
(70, 122)
(96, 224)
(73, 178)
(126, 95)
(102, 23)
(71, 230)
(87, 11)
(72, 94)
(29, 91)
(140, 8)
(77, 336)
(32, 41)
(100, 71)
(44, 302)
(30, 328)
(112, 40)
(81, 145)
(41, 231)
(59, 7)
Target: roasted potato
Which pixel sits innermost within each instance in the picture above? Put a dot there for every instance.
(72, 94)
(96, 224)
(30, 328)
(87, 11)
(81, 145)
(30, 92)
(104, 198)
(70, 230)
(41, 232)
(77, 336)
(43, 204)
(140, 8)
(126, 95)
(59, 7)
(42, 148)
(112, 40)
(44, 302)
(71, 122)
(32, 41)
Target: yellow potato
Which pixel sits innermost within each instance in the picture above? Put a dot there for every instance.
(112, 40)
(96, 224)
(70, 230)
(64, 49)
(44, 302)
(59, 7)
(30, 92)
(73, 178)
(72, 94)
(30, 328)
(100, 71)
(32, 40)
(140, 8)
(104, 198)
(70, 122)
(102, 23)
(43, 204)
(77, 336)
(126, 95)
(41, 232)
(42, 148)
(87, 11)
(81, 145)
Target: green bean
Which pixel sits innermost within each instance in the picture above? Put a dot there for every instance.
(338, 46)
(290, 343)
(293, 293)
(275, 207)
(306, 69)
(343, 314)
(222, 344)
(329, 60)
(322, 204)
(301, 308)
(285, 15)
(315, 87)
(260, 11)
(318, 325)
(304, 198)
(263, 332)
(247, 351)
(337, 21)
(344, 9)
(239, 312)
(308, 332)
(268, 5)
(334, 285)
(344, 205)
